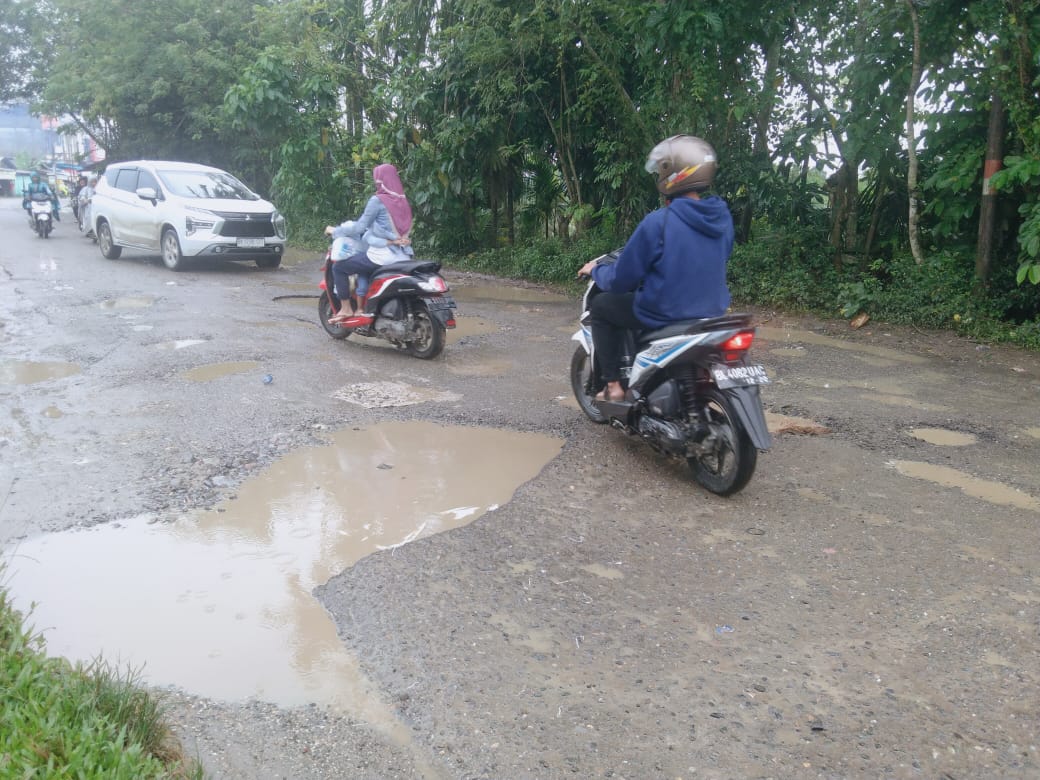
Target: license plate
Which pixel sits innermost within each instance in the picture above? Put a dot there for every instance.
(739, 376)
(250, 243)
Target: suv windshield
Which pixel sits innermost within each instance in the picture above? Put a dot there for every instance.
(206, 184)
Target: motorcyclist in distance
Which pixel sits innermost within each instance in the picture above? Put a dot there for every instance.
(37, 184)
(673, 267)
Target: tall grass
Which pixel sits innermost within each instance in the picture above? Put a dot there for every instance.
(63, 721)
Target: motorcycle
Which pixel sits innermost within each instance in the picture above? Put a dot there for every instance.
(40, 214)
(406, 304)
(691, 393)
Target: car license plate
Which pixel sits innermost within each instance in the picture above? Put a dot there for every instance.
(739, 376)
(250, 243)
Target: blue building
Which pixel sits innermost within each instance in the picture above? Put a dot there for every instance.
(22, 133)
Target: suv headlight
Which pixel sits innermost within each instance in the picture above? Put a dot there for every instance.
(198, 219)
(279, 224)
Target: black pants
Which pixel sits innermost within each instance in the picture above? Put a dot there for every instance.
(612, 315)
(355, 264)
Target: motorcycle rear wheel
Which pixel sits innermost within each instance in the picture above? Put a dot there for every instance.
(326, 313)
(429, 335)
(728, 467)
(581, 368)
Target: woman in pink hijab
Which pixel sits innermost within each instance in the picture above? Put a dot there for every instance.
(383, 232)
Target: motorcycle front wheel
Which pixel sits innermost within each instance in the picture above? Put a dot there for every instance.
(326, 313)
(429, 335)
(729, 458)
(581, 370)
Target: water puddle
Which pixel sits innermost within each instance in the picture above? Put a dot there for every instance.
(128, 302)
(219, 603)
(213, 371)
(489, 367)
(505, 294)
(28, 372)
(793, 336)
(181, 344)
(470, 326)
(993, 492)
(943, 437)
(1034, 432)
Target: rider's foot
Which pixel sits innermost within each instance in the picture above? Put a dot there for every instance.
(612, 392)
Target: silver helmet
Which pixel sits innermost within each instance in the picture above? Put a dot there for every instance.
(682, 163)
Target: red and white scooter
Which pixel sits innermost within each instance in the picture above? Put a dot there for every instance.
(406, 304)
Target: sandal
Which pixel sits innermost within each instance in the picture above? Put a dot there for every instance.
(612, 398)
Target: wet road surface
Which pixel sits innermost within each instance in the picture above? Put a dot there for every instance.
(501, 588)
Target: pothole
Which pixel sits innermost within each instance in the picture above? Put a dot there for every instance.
(219, 603)
(213, 371)
(943, 437)
(29, 372)
(378, 395)
(993, 492)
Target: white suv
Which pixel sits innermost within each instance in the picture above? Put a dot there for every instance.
(184, 210)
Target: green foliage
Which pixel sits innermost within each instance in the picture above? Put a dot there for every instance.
(788, 269)
(1024, 173)
(62, 721)
(548, 261)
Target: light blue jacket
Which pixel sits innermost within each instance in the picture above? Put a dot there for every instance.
(374, 229)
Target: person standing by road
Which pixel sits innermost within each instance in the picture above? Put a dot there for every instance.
(674, 265)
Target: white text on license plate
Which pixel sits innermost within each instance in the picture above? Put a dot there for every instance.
(252, 243)
(738, 376)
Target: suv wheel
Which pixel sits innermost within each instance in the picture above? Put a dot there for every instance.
(105, 243)
(171, 250)
(269, 262)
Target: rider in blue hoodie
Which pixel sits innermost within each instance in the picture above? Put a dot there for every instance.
(674, 264)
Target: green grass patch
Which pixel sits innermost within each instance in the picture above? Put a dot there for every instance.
(63, 721)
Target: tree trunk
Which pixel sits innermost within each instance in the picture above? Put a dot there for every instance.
(988, 207)
(760, 152)
(880, 191)
(911, 137)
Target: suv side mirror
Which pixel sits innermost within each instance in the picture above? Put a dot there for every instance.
(147, 193)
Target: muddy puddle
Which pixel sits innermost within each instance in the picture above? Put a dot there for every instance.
(787, 337)
(992, 492)
(219, 603)
(942, 437)
(213, 371)
(29, 372)
(128, 302)
(180, 344)
(505, 294)
(470, 326)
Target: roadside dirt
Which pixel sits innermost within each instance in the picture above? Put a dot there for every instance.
(868, 606)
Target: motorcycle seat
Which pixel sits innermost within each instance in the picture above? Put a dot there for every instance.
(407, 267)
(688, 327)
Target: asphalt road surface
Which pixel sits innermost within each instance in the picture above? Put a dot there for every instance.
(338, 561)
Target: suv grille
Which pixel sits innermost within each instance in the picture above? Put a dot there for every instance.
(239, 225)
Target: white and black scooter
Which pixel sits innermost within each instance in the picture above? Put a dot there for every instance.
(691, 393)
(40, 217)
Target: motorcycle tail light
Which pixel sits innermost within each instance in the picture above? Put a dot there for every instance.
(738, 342)
(733, 348)
(434, 284)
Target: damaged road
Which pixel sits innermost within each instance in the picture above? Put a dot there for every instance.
(335, 560)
